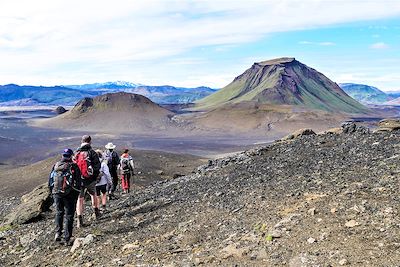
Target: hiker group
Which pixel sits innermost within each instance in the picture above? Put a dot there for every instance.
(86, 170)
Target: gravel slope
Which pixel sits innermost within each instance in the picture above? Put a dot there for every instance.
(325, 200)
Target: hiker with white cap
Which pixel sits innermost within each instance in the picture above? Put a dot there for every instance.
(112, 162)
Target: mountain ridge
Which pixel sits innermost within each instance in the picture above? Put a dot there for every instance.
(284, 81)
(27, 95)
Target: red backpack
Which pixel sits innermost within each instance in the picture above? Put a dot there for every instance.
(83, 162)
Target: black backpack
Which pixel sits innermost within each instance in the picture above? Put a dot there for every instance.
(112, 159)
(63, 179)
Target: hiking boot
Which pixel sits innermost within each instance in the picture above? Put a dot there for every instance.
(79, 222)
(96, 213)
(69, 242)
(57, 237)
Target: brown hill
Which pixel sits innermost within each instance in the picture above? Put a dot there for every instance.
(116, 112)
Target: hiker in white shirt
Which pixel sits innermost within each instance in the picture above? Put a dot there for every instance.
(104, 181)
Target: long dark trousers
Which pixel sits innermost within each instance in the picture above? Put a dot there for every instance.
(65, 205)
(114, 176)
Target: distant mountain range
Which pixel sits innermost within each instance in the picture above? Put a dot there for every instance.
(12, 94)
(15, 95)
(366, 94)
(284, 81)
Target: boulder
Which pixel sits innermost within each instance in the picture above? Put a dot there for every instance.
(389, 125)
(31, 207)
(352, 127)
(298, 133)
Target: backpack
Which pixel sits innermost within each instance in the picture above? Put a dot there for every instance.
(51, 180)
(62, 178)
(125, 167)
(111, 159)
(84, 164)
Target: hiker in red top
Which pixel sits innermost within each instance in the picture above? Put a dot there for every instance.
(89, 164)
(126, 169)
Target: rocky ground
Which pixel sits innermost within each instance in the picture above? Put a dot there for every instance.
(317, 200)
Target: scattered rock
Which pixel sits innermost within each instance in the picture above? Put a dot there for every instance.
(298, 133)
(232, 250)
(77, 243)
(130, 246)
(88, 239)
(159, 172)
(311, 211)
(177, 175)
(351, 223)
(311, 240)
(343, 262)
(276, 234)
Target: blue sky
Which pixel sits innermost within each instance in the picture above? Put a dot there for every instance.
(194, 43)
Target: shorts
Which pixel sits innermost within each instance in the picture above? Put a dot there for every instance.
(101, 188)
(90, 188)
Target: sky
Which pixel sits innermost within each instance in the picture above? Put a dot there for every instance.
(196, 43)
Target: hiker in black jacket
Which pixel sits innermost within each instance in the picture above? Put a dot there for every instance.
(89, 164)
(65, 185)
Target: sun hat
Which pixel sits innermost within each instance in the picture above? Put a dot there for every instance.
(110, 146)
(67, 153)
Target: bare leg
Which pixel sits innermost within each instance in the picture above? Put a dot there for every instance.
(95, 202)
(79, 206)
(103, 199)
(99, 199)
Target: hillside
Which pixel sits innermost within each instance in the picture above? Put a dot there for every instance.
(166, 94)
(270, 206)
(284, 81)
(394, 102)
(115, 112)
(365, 94)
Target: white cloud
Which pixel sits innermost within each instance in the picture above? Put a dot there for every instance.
(47, 41)
(379, 45)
